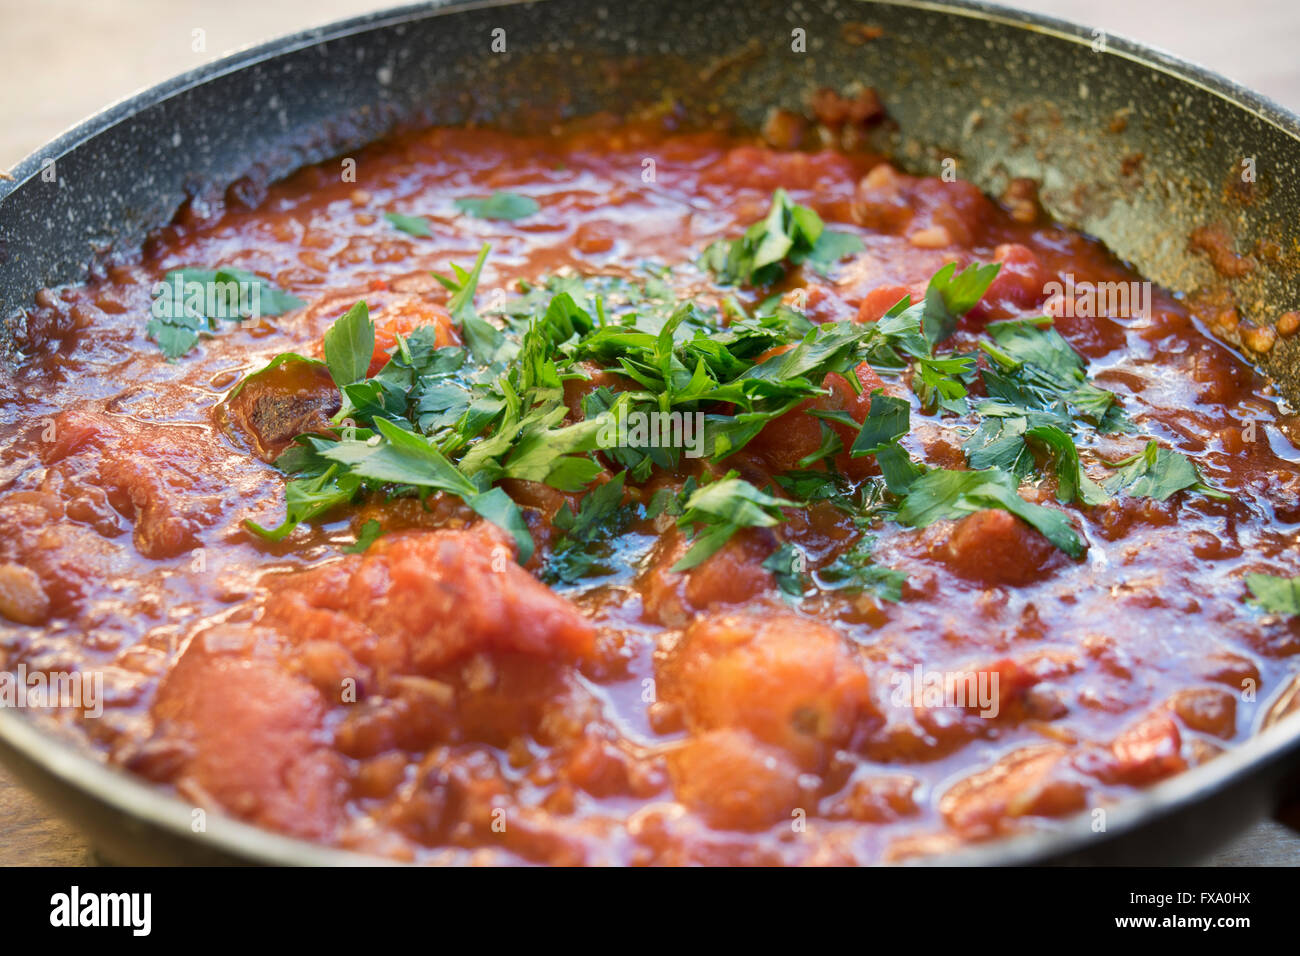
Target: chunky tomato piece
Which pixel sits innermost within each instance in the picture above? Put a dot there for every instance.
(247, 733)
(1019, 286)
(166, 478)
(1147, 751)
(789, 681)
(734, 781)
(786, 441)
(402, 317)
(1035, 781)
(734, 574)
(880, 300)
(417, 600)
(993, 546)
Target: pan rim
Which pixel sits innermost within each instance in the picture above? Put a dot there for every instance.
(1235, 94)
(133, 798)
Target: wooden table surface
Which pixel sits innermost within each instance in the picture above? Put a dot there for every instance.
(61, 60)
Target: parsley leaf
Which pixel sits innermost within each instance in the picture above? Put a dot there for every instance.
(412, 225)
(855, 571)
(401, 457)
(789, 232)
(588, 534)
(1072, 483)
(1035, 369)
(175, 335)
(1039, 395)
(943, 494)
(951, 295)
(486, 342)
(787, 566)
(720, 509)
(1276, 595)
(910, 332)
(189, 303)
(500, 205)
(349, 346)
(496, 506)
(370, 532)
(307, 498)
(832, 246)
(271, 300)
(1157, 472)
(888, 419)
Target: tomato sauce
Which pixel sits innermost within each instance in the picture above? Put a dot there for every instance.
(430, 700)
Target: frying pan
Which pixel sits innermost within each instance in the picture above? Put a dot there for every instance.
(1129, 144)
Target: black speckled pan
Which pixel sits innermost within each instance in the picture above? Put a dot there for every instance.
(1130, 145)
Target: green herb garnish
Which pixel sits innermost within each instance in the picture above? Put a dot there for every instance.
(720, 509)
(1276, 595)
(500, 205)
(786, 564)
(461, 420)
(601, 515)
(369, 534)
(412, 225)
(789, 233)
(349, 346)
(942, 494)
(189, 303)
(855, 571)
(1157, 472)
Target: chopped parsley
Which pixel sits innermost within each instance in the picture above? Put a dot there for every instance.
(601, 516)
(855, 571)
(787, 564)
(950, 295)
(459, 420)
(500, 205)
(349, 344)
(888, 419)
(943, 494)
(1035, 370)
(1276, 595)
(1157, 472)
(1040, 399)
(310, 497)
(720, 509)
(369, 534)
(790, 233)
(411, 225)
(189, 303)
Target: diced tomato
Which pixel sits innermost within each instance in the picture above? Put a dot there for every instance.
(251, 736)
(1147, 751)
(1211, 710)
(734, 574)
(995, 547)
(789, 681)
(1018, 287)
(161, 475)
(1012, 682)
(785, 441)
(880, 300)
(1034, 781)
(417, 600)
(734, 781)
(402, 318)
